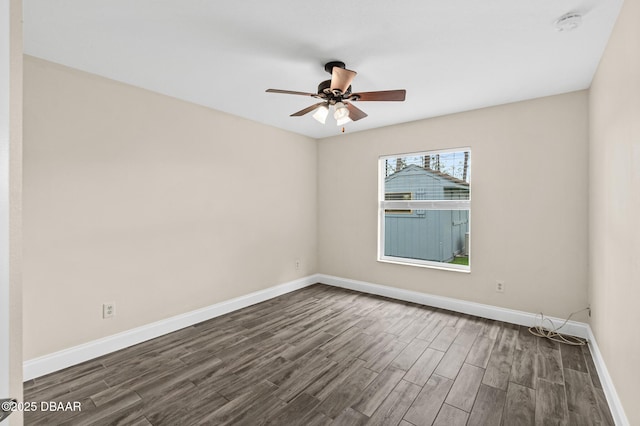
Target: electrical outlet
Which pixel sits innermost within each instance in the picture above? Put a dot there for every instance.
(499, 286)
(108, 310)
(297, 264)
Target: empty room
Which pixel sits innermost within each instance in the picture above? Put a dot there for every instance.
(343, 213)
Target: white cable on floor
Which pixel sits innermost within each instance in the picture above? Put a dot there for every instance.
(552, 333)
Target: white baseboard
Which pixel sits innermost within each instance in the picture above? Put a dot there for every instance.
(617, 410)
(66, 358)
(512, 316)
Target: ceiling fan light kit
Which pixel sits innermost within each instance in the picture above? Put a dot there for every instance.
(337, 92)
(321, 114)
(341, 111)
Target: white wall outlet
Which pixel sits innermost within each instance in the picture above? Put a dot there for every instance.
(108, 310)
(499, 286)
(297, 264)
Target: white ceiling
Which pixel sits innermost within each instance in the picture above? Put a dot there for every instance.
(450, 56)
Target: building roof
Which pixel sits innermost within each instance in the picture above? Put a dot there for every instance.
(415, 168)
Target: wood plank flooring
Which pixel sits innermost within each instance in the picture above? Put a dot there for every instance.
(328, 356)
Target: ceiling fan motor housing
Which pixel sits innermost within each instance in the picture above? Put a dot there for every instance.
(324, 88)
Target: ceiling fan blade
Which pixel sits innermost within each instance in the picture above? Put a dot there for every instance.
(307, 110)
(292, 92)
(341, 79)
(384, 95)
(355, 113)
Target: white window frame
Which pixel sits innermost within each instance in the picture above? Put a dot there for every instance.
(417, 205)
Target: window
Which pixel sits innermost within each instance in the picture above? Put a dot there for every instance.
(424, 209)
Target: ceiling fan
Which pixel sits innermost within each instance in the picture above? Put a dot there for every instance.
(337, 93)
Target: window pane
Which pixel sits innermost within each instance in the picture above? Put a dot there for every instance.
(431, 235)
(442, 176)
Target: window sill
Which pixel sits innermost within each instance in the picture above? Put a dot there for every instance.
(425, 264)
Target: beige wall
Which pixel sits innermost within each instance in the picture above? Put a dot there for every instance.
(614, 255)
(529, 201)
(158, 205)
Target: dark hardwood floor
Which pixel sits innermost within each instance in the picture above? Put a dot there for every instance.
(323, 355)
